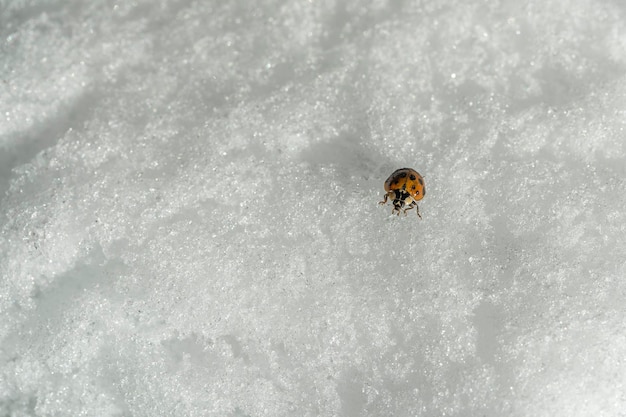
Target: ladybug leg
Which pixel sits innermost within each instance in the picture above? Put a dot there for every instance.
(384, 200)
(418, 211)
(398, 205)
(409, 207)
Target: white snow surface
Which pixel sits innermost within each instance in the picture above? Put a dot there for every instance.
(189, 218)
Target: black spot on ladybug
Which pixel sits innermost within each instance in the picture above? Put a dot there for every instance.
(412, 177)
(413, 188)
(396, 181)
(402, 174)
(417, 192)
(421, 181)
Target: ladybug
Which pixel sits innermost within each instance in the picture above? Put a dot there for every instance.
(405, 187)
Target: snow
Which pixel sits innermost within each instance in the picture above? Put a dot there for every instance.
(189, 218)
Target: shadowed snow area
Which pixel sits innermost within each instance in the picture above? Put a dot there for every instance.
(189, 218)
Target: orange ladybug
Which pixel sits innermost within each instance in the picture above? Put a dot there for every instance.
(405, 187)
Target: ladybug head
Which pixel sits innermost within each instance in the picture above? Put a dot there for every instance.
(401, 198)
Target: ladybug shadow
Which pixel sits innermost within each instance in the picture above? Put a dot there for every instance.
(350, 157)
